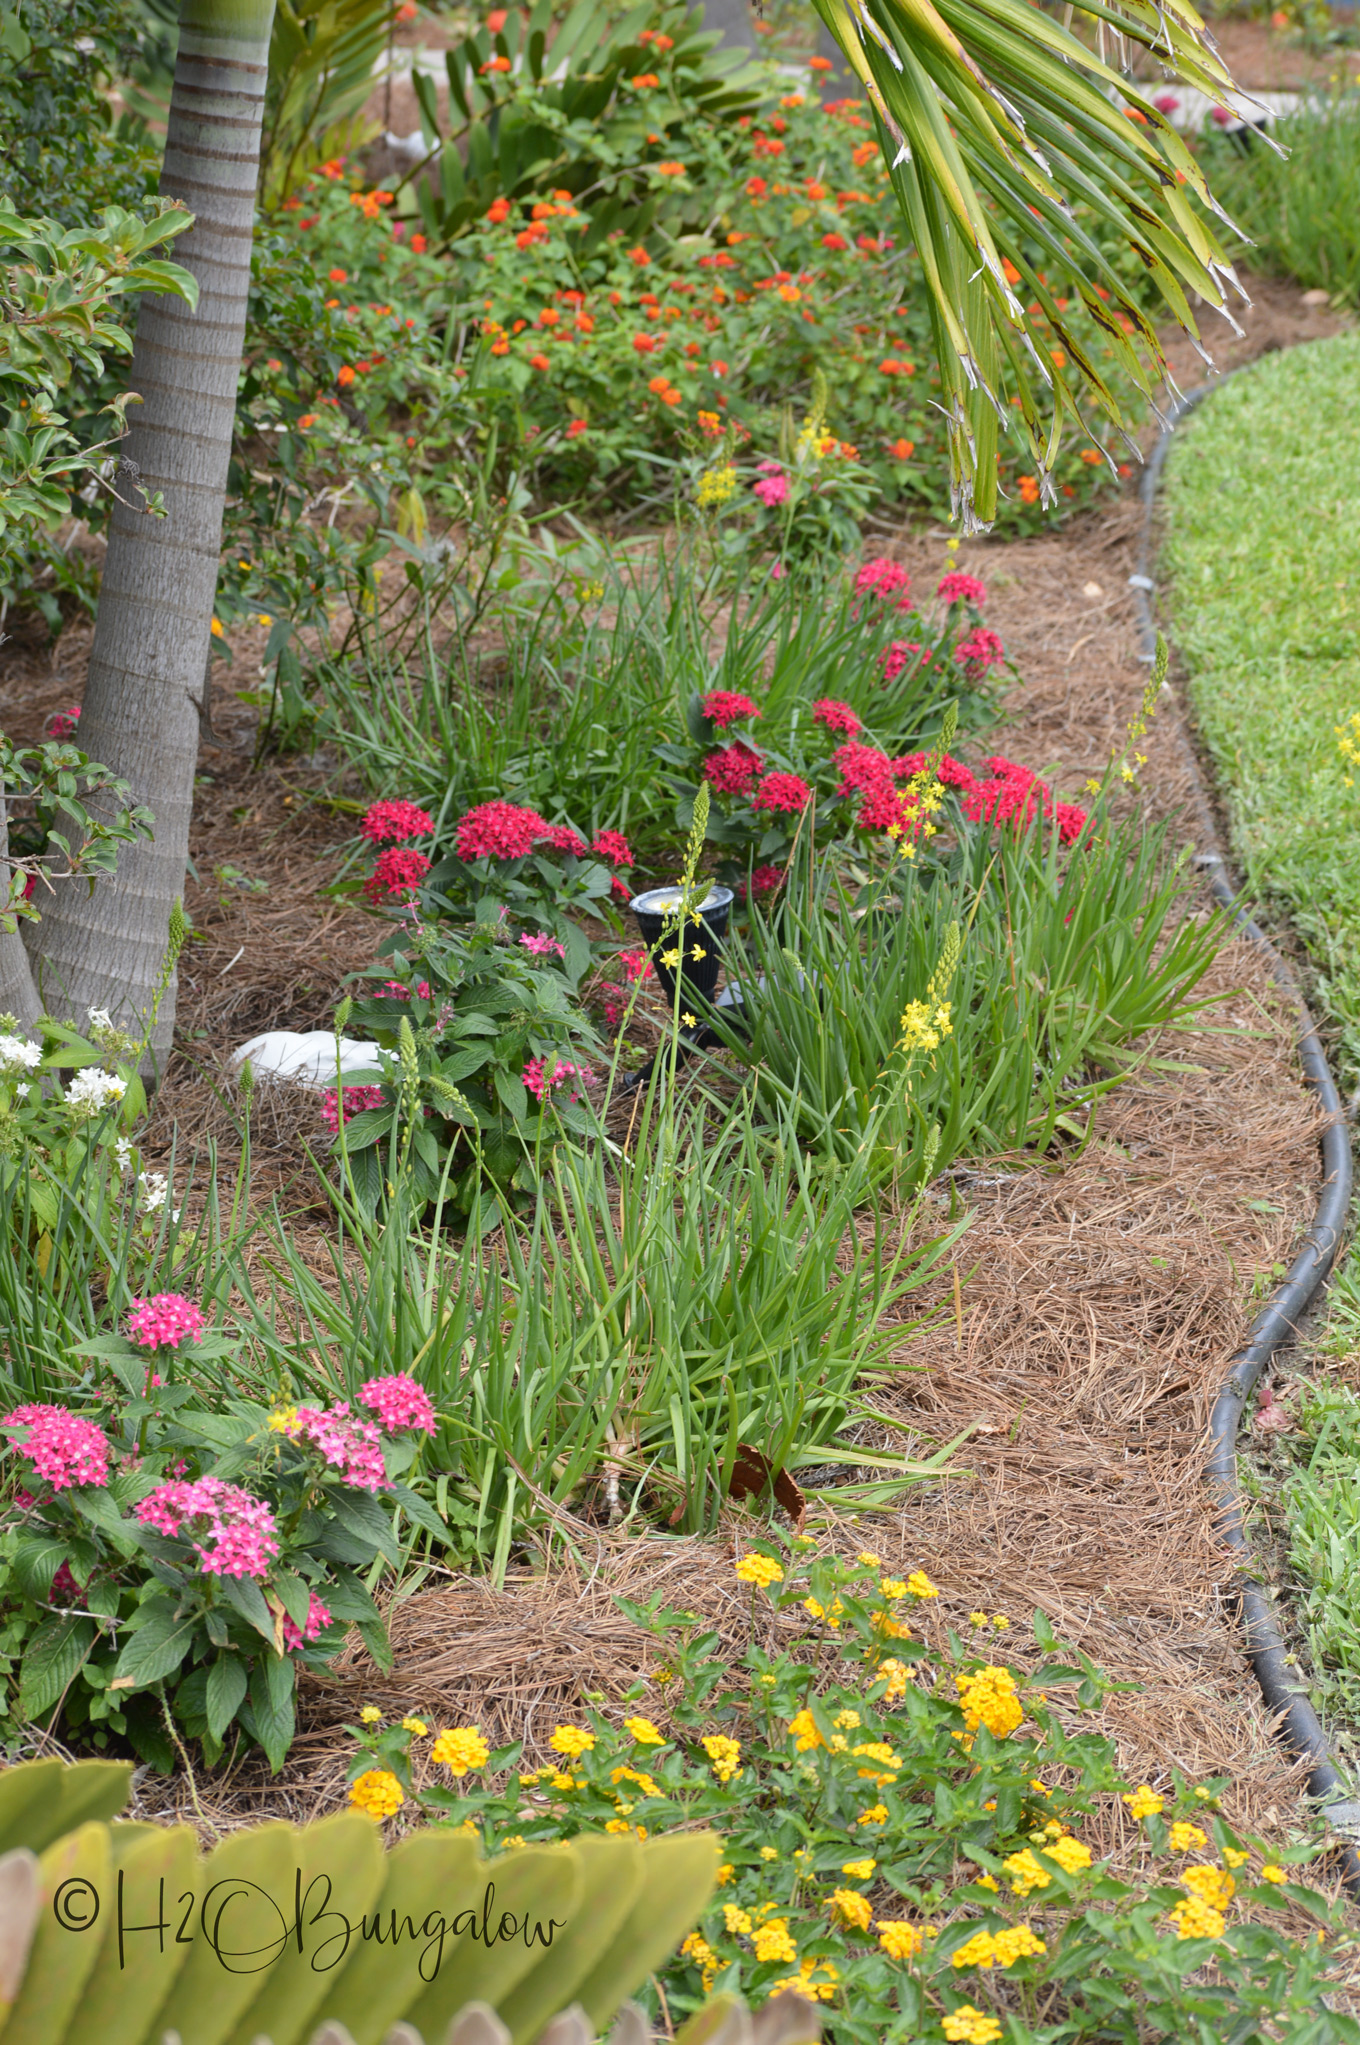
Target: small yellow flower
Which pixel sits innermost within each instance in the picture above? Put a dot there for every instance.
(416, 1726)
(895, 1675)
(1211, 1885)
(769, 1853)
(978, 1951)
(696, 951)
(977, 1618)
(643, 1733)
(283, 1420)
(877, 1814)
(1194, 1919)
(1000, 1621)
(989, 1882)
(571, 1740)
(1143, 1802)
(737, 1921)
(1206, 1796)
(1235, 1857)
(771, 1940)
(689, 1020)
(671, 958)
(892, 1588)
(1271, 1873)
(724, 1874)
(217, 628)
(513, 1840)
(759, 1569)
(846, 1720)
(370, 1715)
(558, 1781)
(264, 618)
(461, 1748)
(1184, 1838)
(851, 1909)
(804, 1729)
(859, 1870)
(869, 1561)
(376, 1793)
(920, 1586)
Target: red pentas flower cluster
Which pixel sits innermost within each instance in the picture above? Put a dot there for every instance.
(874, 776)
(836, 716)
(782, 795)
(765, 880)
(498, 830)
(386, 823)
(1013, 794)
(885, 579)
(59, 1446)
(232, 1533)
(958, 588)
(613, 847)
(357, 1098)
(979, 651)
(732, 769)
(727, 706)
(164, 1321)
(399, 872)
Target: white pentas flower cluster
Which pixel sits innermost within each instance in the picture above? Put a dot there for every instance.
(17, 1056)
(92, 1090)
(153, 1188)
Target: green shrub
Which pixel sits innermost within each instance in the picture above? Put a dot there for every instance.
(1300, 212)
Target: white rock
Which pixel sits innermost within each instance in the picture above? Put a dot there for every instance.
(308, 1057)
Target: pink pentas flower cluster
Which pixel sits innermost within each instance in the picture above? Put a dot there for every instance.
(60, 1447)
(543, 1083)
(342, 1440)
(727, 706)
(772, 486)
(232, 1532)
(782, 795)
(979, 651)
(958, 588)
(836, 716)
(398, 874)
(318, 1619)
(387, 823)
(895, 657)
(164, 1321)
(399, 1402)
(732, 769)
(356, 1099)
(399, 991)
(885, 579)
(541, 944)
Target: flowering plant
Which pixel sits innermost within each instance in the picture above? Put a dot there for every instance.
(491, 1063)
(166, 1566)
(903, 1818)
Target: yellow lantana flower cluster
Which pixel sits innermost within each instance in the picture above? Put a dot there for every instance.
(759, 1569)
(571, 1740)
(899, 1939)
(988, 1698)
(1143, 1802)
(460, 1748)
(849, 1908)
(1194, 1919)
(998, 1949)
(643, 1733)
(1183, 1838)
(968, 2026)
(376, 1793)
(724, 1755)
(771, 1941)
(816, 1979)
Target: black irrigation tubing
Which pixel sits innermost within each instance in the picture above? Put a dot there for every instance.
(1298, 1723)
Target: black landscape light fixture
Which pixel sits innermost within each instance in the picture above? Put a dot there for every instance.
(657, 914)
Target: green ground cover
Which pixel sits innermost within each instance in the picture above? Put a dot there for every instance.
(1263, 552)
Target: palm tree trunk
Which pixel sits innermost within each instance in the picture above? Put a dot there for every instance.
(103, 948)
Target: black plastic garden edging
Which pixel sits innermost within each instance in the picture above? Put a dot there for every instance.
(1297, 1722)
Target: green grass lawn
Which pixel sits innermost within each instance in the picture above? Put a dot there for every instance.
(1262, 557)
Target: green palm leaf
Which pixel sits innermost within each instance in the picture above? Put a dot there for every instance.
(995, 120)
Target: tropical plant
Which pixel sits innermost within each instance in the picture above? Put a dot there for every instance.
(153, 632)
(905, 1812)
(325, 57)
(1300, 210)
(409, 1935)
(994, 118)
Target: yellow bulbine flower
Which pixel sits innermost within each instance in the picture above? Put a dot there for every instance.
(851, 1909)
(376, 1793)
(671, 958)
(643, 1733)
(571, 1740)
(924, 1026)
(759, 1569)
(283, 1420)
(416, 1726)
(460, 1748)
(1143, 1802)
(724, 1755)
